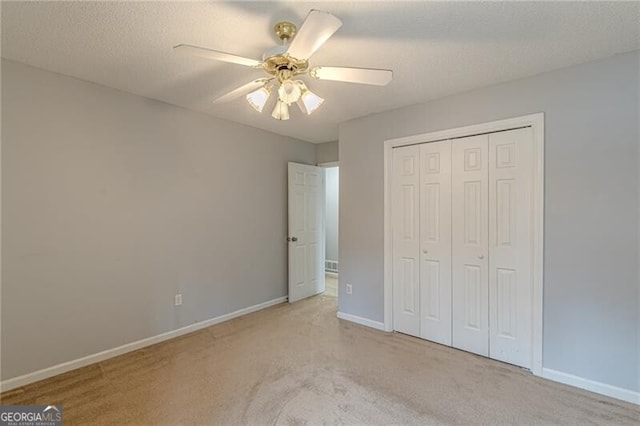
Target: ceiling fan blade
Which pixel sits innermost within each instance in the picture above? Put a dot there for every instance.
(317, 27)
(214, 54)
(242, 90)
(371, 76)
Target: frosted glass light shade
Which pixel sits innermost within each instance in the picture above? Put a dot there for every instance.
(289, 92)
(258, 98)
(309, 102)
(281, 111)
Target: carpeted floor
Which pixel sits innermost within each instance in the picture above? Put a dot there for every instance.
(331, 286)
(299, 364)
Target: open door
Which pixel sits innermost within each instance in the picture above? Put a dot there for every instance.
(306, 231)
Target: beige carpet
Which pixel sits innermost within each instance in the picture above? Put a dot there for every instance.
(331, 286)
(298, 364)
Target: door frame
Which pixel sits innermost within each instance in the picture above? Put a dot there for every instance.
(328, 165)
(536, 122)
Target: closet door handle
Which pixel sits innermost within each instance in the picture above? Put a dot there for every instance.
(481, 257)
(425, 251)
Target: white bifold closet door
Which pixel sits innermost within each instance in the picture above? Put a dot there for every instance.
(511, 246)
(435, 242)
(406, 240)
(461, 218)
(470, 257)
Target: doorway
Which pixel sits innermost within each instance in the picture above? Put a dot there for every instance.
(313, 230)
(332, 191)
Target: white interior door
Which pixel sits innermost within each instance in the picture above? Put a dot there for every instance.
(406, 240)
(435, 241)
(470, 246)
(306, 231)
(510, 248)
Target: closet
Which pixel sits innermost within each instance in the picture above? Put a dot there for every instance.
(462, 243)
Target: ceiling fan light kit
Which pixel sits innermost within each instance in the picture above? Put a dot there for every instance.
(289, 91)
(258, 98)
(308, 101)
(283, 63)
(281, 111)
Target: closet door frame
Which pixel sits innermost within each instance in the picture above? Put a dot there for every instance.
(536, 122)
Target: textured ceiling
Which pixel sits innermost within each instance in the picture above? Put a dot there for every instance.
(435, 48)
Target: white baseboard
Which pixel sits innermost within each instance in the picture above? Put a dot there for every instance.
(331, 274)
(593, 386)
(362, 321)
(45, 373)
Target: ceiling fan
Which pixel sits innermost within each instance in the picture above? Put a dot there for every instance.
(285, 62)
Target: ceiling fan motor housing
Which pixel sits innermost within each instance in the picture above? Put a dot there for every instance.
(277, 62)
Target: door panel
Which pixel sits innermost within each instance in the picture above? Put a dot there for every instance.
(430, 281)
(473, 297)
(510, 251)
(408, 279)
(306, 225)
(435, 242)
(406, 241)
(469, 244)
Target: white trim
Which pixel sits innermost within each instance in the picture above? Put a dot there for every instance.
(537, 239)
(493, 126)
(536, 121)
(45, 373)
(591, 385)
(331, 274)
(329, 164)
(362, 321)
(388, 236)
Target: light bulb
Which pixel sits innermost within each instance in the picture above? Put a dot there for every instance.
(289, 92)
(258, 98)
(281, 111)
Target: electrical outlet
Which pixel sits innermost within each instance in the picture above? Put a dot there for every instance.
(178, 300)
(349, 289)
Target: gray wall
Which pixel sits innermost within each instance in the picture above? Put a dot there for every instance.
(327, 152)
(332, 192)
(111, 203)
(591, 207)
(638, 215)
